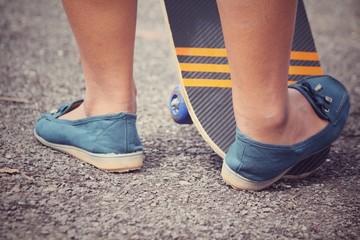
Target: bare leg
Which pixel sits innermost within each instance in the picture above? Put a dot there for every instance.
(105, 35)
(258, 36)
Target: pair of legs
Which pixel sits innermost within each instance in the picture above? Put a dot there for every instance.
(258, 37)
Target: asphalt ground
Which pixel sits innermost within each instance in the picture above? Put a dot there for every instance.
(179, 194)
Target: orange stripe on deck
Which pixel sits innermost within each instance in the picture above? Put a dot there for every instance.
(305, 56)
(221, 52)
(217, 83)
(224, 68)
(304, 70)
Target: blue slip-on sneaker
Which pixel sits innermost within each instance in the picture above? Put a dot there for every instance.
(109, 142)
(251, 165)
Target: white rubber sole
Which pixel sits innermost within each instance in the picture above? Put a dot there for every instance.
(109, 162)
(241, 183)
(308, 165)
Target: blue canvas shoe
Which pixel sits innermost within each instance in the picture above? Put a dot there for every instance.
(252, 165)
(109, 142)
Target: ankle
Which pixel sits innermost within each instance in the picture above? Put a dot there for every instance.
(261, 125)
(100, 100)
(291, 124)
(94, 108)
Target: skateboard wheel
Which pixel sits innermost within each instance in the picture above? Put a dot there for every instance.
(178, 109)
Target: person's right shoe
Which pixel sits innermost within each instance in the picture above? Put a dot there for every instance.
(251, 165)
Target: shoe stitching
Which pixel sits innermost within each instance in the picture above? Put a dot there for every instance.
(127, 136)
(101, 134)
(342, 102)
(241, 161)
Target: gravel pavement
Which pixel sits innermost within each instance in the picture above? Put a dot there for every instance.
(179, 194)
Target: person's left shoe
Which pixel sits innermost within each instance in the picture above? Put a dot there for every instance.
(252, 165)
(109, 142)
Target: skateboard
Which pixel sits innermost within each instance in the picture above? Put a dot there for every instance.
(203, 96)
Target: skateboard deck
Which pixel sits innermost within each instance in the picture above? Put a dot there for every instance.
(204, 76)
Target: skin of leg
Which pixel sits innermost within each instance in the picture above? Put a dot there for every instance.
(258, 37)
(105, 36)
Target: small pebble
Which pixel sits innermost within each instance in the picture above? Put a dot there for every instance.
(41, 52)
(60, 53)
(184, 183)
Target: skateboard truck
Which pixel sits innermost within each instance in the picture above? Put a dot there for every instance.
(178, 109)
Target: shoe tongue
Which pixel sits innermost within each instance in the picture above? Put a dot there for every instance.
(65, 108)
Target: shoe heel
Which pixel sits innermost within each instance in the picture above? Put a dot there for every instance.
(308, 166)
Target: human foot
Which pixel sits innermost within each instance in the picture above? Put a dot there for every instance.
(109, 142)
(255, 165)
(296, 124)
(84, 110)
